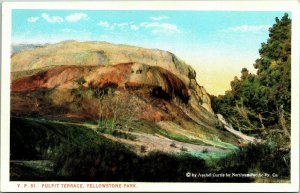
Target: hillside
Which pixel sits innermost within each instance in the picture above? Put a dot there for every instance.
(162, 86)
(147, 100)
(106, 54)
(20, 47)
(72, 152)
(260, 104)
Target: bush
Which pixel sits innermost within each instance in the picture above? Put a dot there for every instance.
(101, 129)
(173, 145)
(143, 149)
(263, 158)
(183, 148)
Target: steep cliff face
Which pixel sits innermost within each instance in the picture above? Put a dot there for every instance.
(106, 54)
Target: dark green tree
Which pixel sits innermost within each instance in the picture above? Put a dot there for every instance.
(260, 104)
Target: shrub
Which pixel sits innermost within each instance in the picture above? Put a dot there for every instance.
(143, 149)
(123, 135)
(266, 157)
(183, 148)
(173, 145)
(101, 129)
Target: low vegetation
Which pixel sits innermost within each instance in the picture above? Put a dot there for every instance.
(80, 154)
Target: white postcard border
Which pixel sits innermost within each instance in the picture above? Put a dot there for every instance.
(281, 5)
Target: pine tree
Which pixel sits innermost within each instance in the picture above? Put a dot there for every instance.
(261, 103)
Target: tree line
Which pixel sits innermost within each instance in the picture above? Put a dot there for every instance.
(260, 104)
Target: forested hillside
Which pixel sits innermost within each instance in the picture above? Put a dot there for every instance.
(260, 104)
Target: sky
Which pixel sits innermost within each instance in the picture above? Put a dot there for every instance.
(217, 44)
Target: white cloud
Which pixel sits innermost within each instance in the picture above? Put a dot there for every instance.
(33, 19)
(103, 24)
(154, 27)
(112, 26)
(157, 27)
(248, 28)
(68, 30)
(158, 18)
(125, 24)
(134, 27)
(53, 19)
(75, 17)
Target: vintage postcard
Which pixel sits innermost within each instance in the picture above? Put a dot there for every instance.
(150, 96)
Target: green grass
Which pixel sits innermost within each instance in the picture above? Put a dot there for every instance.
(32, 170)
(117, 133)
(81, 154)
(43, 139)
(219, 143)
(82, 57)
(144, 126)
(209, 156)
(181, 138)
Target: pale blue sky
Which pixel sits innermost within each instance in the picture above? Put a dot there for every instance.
(216, 43)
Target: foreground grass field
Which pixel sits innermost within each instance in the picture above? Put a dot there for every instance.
(43, 150)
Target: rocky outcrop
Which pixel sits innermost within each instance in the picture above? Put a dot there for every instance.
(70, 53)
(148, 82)
(152, 87)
